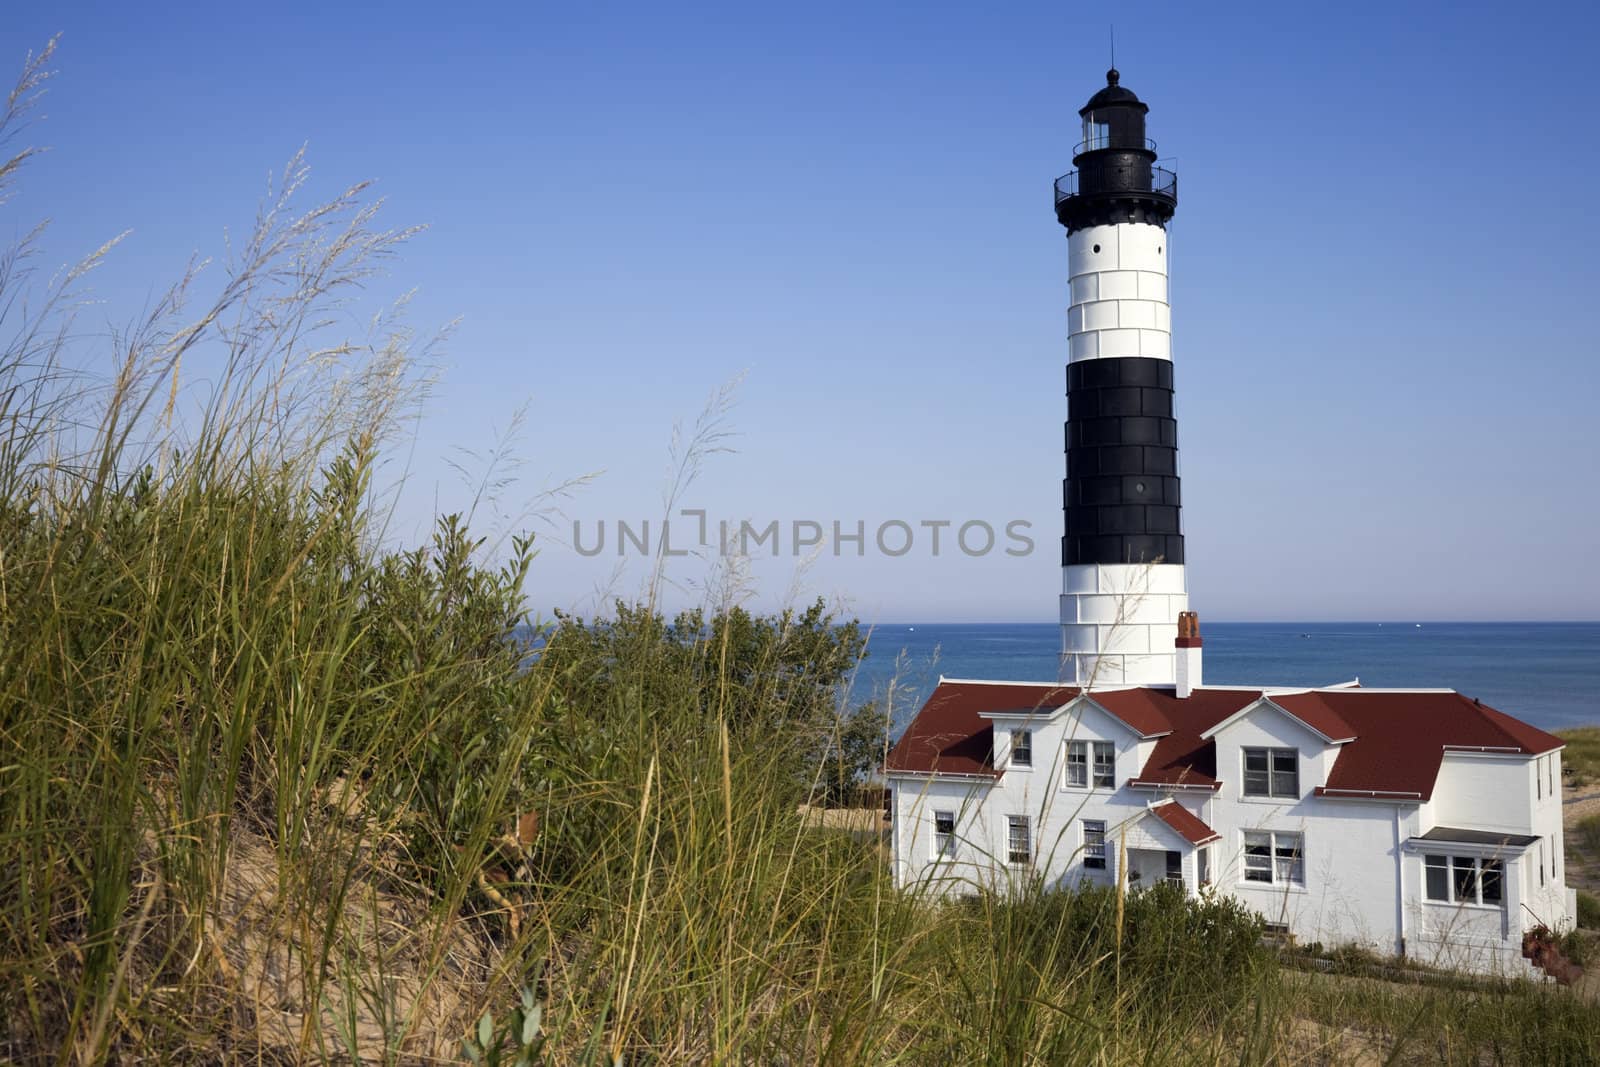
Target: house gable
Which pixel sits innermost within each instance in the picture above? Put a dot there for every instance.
(1323, 729)
(1264, 724)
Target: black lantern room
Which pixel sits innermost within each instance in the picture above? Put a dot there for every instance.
(1116, 179)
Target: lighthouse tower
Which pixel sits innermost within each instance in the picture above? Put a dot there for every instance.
(1122, 556)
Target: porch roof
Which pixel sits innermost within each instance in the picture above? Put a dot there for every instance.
(1185, 823)
(1455, 835)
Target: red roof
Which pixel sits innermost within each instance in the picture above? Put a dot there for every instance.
(948, 737)
(1317, 713)
(1189, 826)
(1401, 737)
(1147, 712)
(1397, 739)
(1181, 757)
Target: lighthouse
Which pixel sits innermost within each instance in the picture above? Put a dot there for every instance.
(1123, 584)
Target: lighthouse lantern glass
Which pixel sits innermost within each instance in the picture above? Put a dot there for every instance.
(1096, 132)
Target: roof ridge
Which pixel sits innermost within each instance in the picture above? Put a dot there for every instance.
(1004, 681)
(1383, 689)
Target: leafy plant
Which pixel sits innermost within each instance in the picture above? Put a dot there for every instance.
(517, 1040)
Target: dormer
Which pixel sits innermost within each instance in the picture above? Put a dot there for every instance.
(1088, 747)
(1277, 749)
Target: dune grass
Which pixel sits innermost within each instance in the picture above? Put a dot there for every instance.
(272, 791)
(1580, 761)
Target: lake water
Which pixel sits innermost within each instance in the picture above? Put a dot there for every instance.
(1545, 673)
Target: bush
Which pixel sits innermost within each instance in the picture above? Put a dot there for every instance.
(1588, 910)
(1203, 953)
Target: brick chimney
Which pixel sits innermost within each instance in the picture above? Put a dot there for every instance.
(1187, 665)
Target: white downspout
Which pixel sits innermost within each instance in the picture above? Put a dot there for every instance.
(1399, 884)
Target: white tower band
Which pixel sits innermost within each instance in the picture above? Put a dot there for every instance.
(1123, 583)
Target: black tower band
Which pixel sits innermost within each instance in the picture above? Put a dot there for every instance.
(1121, 494)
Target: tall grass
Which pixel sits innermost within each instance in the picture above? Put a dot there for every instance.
(270, 790)
(1581, 760)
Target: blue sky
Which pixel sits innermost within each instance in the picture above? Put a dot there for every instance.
(1382, 269)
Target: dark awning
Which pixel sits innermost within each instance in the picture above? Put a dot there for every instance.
(1446, 835)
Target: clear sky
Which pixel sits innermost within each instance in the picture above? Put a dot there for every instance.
(1383, 283)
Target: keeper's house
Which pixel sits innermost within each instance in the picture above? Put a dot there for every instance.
(1414, 822)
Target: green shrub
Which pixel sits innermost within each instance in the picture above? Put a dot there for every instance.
(1588, 910)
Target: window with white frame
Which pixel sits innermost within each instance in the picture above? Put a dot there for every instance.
(1463, 879)
(1096, 132)
(1021, 748)
(944, 835)
(1077, 764)
(1094, 844)
(1019, 842)
(1079, 755)
(1105, 765)
(1274, 857)
(1272, 772)
(1202, 859)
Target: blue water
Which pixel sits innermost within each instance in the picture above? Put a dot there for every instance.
(1545, 673)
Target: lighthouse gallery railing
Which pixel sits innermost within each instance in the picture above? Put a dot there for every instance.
(1163, 183)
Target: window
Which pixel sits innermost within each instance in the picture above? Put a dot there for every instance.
(1490, 882)
(1274, 858)
(1463, 880)
(1105, 764)
(1078, 764)
(1538, 778)
(1019, 846)
(1271, 772)
(1174, 866)
(1437, 870)
(1094, 844)
(944, 835)
(1021, 748)
(1096, 132)
(1202, 859)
